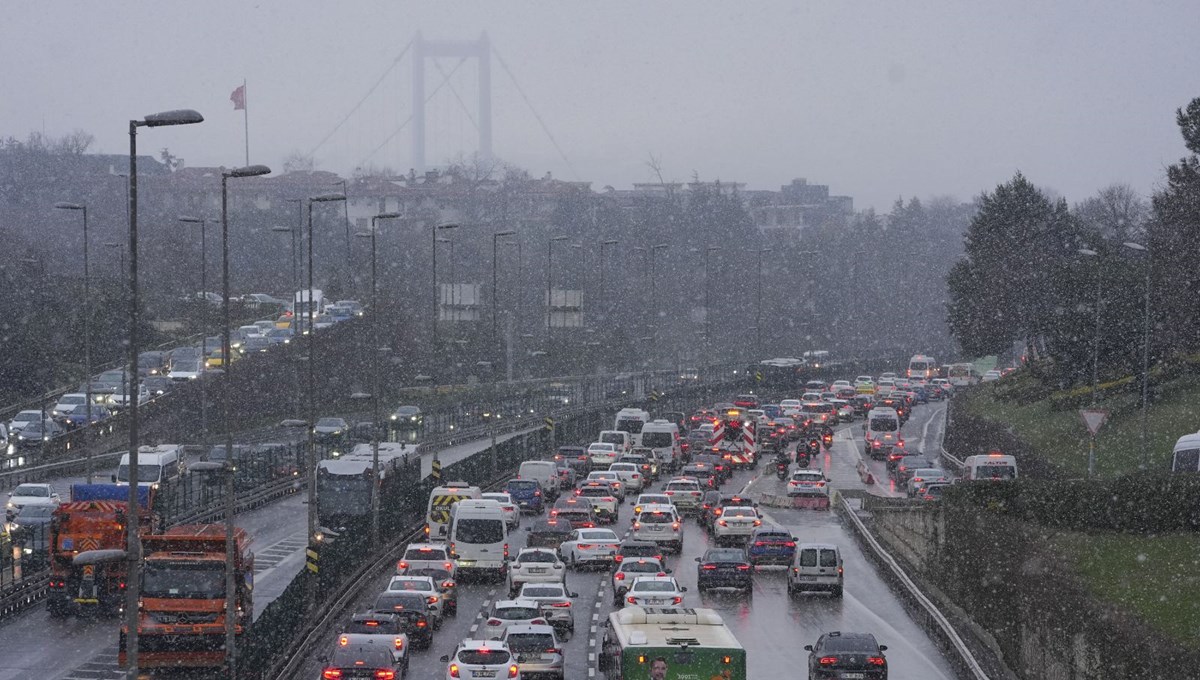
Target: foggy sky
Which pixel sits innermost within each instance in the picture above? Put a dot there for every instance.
(876, 99)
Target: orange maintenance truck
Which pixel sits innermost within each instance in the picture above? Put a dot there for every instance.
(181, 617)
(88, 566)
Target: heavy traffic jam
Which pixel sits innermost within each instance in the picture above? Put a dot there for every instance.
(638, 554)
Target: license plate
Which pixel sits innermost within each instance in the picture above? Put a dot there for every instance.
(854, 676)
(466, 563)
(492, 674)
(537, 570)
(808, 578)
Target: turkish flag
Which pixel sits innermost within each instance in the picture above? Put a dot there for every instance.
(238, 98)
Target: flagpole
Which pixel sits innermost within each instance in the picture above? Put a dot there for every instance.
(246, 119)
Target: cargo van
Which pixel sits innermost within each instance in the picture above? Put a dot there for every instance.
(156, 465)
(993, 466)
(662, 437)
(478, 537)
(631, 420)
(1186, 457)
(545, 472)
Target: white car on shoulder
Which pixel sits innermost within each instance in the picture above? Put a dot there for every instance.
(535, 565)
(655, 591)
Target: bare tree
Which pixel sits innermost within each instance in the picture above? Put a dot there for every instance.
(1117, 212)
(299, 162)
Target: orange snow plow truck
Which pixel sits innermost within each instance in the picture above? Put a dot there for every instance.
(181, 615)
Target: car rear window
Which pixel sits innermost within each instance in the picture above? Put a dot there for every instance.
(529, 642)
(373, 627)
(655, 518)
(516, 613)
(483, 657)
(425, 554)
(808, 557)
(541, 591)
(850, 644)
(828, 558)
(536, 556)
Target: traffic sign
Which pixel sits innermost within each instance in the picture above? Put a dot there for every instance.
(758, 376)
(435, 470)
(654, 395)
(549, 423)
(1093, 418)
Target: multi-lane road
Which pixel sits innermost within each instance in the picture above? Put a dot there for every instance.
(772, 626)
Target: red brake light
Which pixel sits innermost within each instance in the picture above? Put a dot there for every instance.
(876, 660)
(454, 670)
(512, 671)
(620, 576)
(743, 567)
(709, 566)
(385, 674)
(331, 674)
(677, 600)
(631, 600)
(828, 660)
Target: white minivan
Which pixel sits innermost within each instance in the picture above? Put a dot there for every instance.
(478, 537)
(156, 464)
(882, 431)
(622, 440)
(631, 420)
(993, 466)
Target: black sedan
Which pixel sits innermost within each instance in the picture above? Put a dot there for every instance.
(724, 568)
(844, 655)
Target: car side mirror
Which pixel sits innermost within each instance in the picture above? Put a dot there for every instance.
(883, 648)
(808, 648)
(697, 559)
(114, 479)
(445, 658)
(572, 594)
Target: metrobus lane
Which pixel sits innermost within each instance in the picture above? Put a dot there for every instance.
(475, 598)
(774, 626)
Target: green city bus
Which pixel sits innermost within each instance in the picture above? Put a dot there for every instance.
(668, 643)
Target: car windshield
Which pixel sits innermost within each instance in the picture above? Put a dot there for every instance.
(31, 490)
(36, 512)
(180, 580)
(483, 657)
(655, 518)
(146, 473)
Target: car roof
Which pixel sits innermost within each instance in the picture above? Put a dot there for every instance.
(660, 579)
(830, 546)
(519, 602)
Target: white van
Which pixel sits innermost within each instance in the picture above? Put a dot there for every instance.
(1186, 456)
(993, 466)
(882, 432)
(545, 472)
(631, 420)
(619, 438)
(662, 437)
(156, 464)
(478, 536)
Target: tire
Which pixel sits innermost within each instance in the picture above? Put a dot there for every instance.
(836, 592)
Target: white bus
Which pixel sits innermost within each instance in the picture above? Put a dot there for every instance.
(670, 642)
(921, 366)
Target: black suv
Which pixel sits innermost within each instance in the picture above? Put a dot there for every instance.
(837, 655)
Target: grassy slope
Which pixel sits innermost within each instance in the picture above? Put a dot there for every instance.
(1061, 437)
(1155, 577)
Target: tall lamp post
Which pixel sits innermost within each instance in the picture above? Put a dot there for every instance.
(1145, 348)
(297, 231)
(758, 307)
(280, 229)
(495, 287)
(707, 307)
(549, 282)
(87, 333)
(203, 222)
(314, 534)
(655, 314)
(436, 294)
(346, 217)
(602, 300)
(226, 412)
(133, 544)
(375, 349)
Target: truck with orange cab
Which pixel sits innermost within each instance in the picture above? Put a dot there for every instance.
(88, 565)
(181, 614)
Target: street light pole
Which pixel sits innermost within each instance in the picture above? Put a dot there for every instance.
(495, 287)
(603, 301)
(296, 231)
(227, 423)
(375, 416)
(707, 308)
(1145, 349)
(203, 222)
(758, 308)
(133, 543)
(549, 281)
(310, 312)
(655, 312)
(436, 294)
(87, 336)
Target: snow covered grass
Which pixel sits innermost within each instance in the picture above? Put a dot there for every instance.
(1156, 577)
(1062, 439)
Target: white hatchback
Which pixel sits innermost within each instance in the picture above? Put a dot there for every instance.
(535, 565)
(736, 524)
(655, 591)
(473, 659)
(660, 524)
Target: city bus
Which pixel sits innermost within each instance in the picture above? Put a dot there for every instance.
(672, 643)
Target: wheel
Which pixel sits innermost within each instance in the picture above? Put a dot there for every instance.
(574, 564)
(837, 592)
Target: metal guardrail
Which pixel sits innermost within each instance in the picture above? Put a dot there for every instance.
(969, 662)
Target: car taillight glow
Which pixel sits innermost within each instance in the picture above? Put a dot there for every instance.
(708, 566)
(631, 600)
(454, 670)
(876, 660)
(493, 622)
(399, 642)
(828, 660)
(743, 567)
(331, 674)
(620, 576)
(677, 600)
(385, 674)
(512, 671)
(560, 604)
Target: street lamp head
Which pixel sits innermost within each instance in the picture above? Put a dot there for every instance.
(281, 229)
(510, 232)
(389, 216)
(327, 198)
(610, 242)
(190, 220)
(1134, 246)
(112, 244)
(1087, 251)
(445, 240)
(659, 246)
(364, 234)
(559, 238)
(69, 206)
(177, 117)
(248, 171)
(446, 226)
